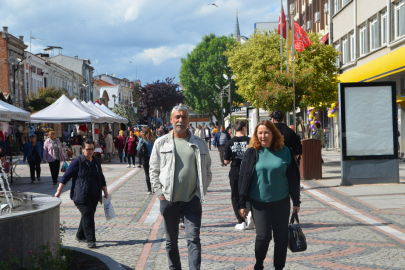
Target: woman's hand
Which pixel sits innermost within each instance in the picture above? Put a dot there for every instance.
(105, 192)
(243, 213)
(296, 209)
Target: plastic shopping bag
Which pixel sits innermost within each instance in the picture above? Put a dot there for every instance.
(108, 208)
(64, 167)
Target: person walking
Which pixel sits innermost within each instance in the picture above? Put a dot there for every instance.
(234, 150)
(130, 148)
(180, 173)
(220, 140)
(108, 146)
(301, 129)
(33, 152)
(319, 135)
(207, 136)
(147, 141)
(269, 178)
(199, 132)
(87, 183)
(139, 137)
(53, 154)
(119, 143)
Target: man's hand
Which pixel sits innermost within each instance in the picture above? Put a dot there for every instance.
(162, 198)
(243, 213)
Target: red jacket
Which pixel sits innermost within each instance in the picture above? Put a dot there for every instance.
(2, 136)
(119, 142)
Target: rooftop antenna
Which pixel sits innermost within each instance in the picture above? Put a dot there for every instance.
(33, 38)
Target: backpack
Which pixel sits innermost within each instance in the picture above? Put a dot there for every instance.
(143, 150)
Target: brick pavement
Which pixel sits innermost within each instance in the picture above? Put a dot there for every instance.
(337, 239)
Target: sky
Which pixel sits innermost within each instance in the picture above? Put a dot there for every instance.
(142, 39)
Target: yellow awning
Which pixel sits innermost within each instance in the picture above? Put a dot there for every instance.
(401, 100)
(383, 66)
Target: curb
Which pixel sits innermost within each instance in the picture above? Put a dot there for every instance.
(111, 263)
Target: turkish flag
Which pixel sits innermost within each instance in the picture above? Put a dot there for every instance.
(301, 40)
(284, 23)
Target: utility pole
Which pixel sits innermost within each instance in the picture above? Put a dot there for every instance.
(292, 12)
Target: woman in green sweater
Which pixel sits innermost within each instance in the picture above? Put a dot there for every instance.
(269, 178)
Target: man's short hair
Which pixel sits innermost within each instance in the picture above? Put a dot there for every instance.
(277, 115)
(239, 124)
(88, 141)
(32, 135)
(180, 108)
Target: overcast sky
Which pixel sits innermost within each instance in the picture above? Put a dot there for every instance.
(152, 34)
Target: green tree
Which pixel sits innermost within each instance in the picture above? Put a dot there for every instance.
(44, 97)
(256, 64)
(202, 69)
(126, 111)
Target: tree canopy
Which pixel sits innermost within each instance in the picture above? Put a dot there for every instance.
(126, 111)
(44, 97)
(202, 69)
(256, 64)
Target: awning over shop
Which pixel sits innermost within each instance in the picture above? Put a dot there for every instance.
(63, 111)
(383, 66)
(14, 113)
(401, 100)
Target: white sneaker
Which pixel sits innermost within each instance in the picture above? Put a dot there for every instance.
(250, 222)
(128, 166)
(241, 226)
(133, 166)
(302, 187)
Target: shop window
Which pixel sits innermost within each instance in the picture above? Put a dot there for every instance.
(373, 34)
(399, 19)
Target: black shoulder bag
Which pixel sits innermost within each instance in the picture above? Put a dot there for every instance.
(296, 238)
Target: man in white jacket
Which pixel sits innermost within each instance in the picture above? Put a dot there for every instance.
(180, 173)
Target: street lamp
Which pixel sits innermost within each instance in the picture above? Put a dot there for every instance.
(15, 69)
(114, 97)
(222, 106)
(229, 94)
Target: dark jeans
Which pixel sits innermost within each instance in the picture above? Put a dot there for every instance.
(129, 159)
(87, 228)
(54, 166)
(146, 169)
(35, 166)
(120, 153)
(139, 160)
(191, 212)
(233, 181)
(270, 217)
(208, 141)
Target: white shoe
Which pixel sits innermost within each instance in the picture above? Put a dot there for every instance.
(302, 187)
(241, 226)
(128, 166)
(133, 166)
(250, 222)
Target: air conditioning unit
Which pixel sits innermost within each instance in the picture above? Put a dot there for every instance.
(317, 16)
(326, 8)
(304, 27)
(309, 25)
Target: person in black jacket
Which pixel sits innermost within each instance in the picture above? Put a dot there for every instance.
(269, 178)
(290, 137)
(87, 183)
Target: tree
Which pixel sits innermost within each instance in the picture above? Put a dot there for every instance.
(256, 64)
(160, 95)
(126, 111)
(44, 97)
(202, 69)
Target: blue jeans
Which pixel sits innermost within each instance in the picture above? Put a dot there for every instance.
(191, 212)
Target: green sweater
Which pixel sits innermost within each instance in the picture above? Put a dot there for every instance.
(269, 180)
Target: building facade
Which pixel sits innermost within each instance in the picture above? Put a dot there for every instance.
(110, 94)
(12, 55)
(125, 92)
(370, 34)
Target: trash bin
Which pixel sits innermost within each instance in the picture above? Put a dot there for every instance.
(311, 160)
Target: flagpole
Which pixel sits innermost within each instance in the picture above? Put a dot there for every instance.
(292, 7)
(281, 37)
(287, 38)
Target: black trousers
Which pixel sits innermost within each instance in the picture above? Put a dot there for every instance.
(120, 153)
(271, 218)
(35, 166)
(129, 159)
(54, 166)
(146, 169)
(234, 181)
(139, 159)
(87, 227)
(208, 141)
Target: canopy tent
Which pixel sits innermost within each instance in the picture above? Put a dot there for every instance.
(108, 111)
(91, 106)
(5, 115)
(15, 113)
(94, 107)
(100, 119)
(63, 111)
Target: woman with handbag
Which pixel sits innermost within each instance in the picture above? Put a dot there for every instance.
(119, 143)
(145, 150)
(33, 152)
(53, 154)
(87, 183)
(268, 178)
(130, 148)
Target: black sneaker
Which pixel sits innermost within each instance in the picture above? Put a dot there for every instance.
(91, 244)
(80, 240)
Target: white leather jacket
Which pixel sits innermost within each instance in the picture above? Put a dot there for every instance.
(162, 166)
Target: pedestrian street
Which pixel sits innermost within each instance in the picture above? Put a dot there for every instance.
(361, 227)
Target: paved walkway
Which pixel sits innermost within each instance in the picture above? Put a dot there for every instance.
(361, 227)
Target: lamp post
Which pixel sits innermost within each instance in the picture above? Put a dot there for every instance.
(15, 69)
(114, 97)
(229, 93)
(292, 12)
(222, 106)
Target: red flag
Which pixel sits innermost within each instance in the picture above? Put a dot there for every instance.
(301, 40)
(284, 23)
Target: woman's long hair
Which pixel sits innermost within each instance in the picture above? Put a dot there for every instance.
(148, 135)
(277, 141)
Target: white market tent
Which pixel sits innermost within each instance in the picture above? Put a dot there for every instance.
(108, 111)
(63, 111)
(10, 112)
(94, 107)
(106, 117)
(100, 119)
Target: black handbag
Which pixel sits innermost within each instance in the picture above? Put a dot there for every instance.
(296, 238)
